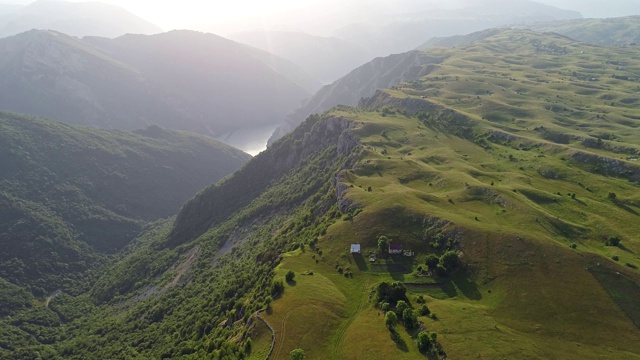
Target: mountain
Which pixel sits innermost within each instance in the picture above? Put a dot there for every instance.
(402, 32)
(459, 40)
(621, 31)
(73, 18)
(179, 80)
(509, 174)
(379, 73)
(325, 58)
(605, 32)
(69, 195)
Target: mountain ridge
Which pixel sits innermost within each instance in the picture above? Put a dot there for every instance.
(92, 191)
(76, 19)
(137, 80)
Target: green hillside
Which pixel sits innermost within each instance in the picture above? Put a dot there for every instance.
(509, 172)
(618, 31)
(69, 195)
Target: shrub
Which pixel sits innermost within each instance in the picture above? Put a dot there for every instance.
(297, 354)
(615, 258)
(290, 276)
(390, 319)
(613, 241)
(424, 310)
(277, 287)
(631, 265)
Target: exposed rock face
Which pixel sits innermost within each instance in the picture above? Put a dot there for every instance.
(380, 73)
(608, 166)
(326, 141)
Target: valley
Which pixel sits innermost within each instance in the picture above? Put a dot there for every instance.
(477, 198)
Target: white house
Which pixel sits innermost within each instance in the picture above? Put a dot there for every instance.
(355, 249)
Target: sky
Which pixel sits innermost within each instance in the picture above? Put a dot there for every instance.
(228, 16)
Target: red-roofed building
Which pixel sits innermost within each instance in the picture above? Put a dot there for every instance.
(395, 248)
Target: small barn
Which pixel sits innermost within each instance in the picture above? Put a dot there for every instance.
(355, 249)
(395, 248)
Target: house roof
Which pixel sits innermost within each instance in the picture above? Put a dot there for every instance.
(355, 247)
(393, 246)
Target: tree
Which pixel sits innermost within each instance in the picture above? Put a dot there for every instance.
(612, 196)
(383, 244)
(390, 319)
(450, 260)
(401, 306)
(432, 261)
(424, 342)
(290, 276)
(297, 354)
(410, 319)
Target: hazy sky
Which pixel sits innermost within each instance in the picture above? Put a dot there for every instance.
(224, 16)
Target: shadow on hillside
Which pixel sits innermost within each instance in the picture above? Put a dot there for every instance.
(292, 283)
(448, 288)
(397, 339)
(625, 207)
(580, 202)
(360, 262)
(624, 248)
(467, 287)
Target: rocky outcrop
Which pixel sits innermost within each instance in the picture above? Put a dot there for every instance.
(326, 142)
(608, 166)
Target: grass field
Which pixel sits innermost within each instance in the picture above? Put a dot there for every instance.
(527, 138)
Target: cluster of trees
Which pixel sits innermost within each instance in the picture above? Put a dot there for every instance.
(403, 312)
(426, 341)
(393, 302)
(444, 264)
(390, 293)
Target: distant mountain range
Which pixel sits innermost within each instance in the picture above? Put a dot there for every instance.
(401, 32)
(622, 31)
(325, 58)
(73, 18)
(179, 80)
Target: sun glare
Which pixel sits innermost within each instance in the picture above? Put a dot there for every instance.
(224, 16)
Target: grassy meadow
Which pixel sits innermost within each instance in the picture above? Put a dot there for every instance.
(531, 197)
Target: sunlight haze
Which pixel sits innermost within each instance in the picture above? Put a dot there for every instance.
(318, 17)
